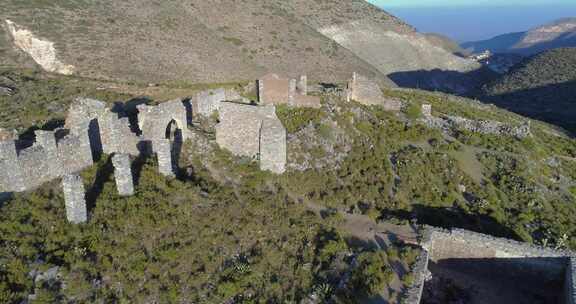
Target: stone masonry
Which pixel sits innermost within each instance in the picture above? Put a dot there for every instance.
(155, 120)
(449, 123)
(367, 92)
(163, 149)
(255, 132)
(462, 245)
(272, 146)
(206, 103)
(275, 90)
(123, 174)
(74, 197)
(47, 159)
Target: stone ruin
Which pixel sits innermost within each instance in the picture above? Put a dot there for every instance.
(490, 270)
(255, 132)
(92, 129)
(367, 92)
(448, 123)
(275, 90)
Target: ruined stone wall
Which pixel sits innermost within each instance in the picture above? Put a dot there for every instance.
(74, 151)
(364, 90)
(154, 120)
(489, 127)
(570, 282)
(465, 244)
(273, 146)
(205, 103)
(520, 258)
(274, 90)
(239, 128)
(11, 178)
(302, 87)
(420, 271)
(74, 198)
(451, 123)
(123, 174)
(306, 101)
(255, 132)
(45, 160)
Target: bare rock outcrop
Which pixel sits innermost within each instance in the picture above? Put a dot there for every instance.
(42, 51)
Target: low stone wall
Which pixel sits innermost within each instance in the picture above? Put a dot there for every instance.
(420, 272)
(523, 258)
(367, 92)
(570, 282)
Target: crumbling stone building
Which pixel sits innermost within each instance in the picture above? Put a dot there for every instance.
(255, 132)
(275, 90)
(498, 270)
(52, 155)
(367, 92)
(92, 129)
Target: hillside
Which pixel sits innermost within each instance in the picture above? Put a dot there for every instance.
(543, 87)
(557, 34)
(222, 41)
(226, 232)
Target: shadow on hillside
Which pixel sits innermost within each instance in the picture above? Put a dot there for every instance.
(452, 82)
(555, 104)
(103, 175)
(454, 218)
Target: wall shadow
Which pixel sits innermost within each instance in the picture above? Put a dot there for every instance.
(5, 197)
(103, 175)
(448, 218)
(497, 280)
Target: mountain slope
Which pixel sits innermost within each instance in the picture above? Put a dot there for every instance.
(223, 41)
(543, 86)
(560, 33)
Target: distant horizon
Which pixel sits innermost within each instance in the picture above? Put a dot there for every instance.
(472, 22)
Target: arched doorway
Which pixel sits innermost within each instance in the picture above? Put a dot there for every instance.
(174, 134)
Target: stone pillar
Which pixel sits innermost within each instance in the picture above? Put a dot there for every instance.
(291, 91)
(163, 150)
(75, 198)
(260, 86)
(10, 171)
(123, 174)
(427, 110)
(47, 140)
(273, 146)
(303, 85)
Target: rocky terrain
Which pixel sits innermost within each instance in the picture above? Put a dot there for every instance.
(183, 41)
(560, 33)
(542, 87)
(226, 231)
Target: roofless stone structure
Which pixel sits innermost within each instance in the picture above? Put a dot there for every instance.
(275, 90)
(500, 270)
(253, 131)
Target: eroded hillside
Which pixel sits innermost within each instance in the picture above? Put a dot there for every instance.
(216, 41)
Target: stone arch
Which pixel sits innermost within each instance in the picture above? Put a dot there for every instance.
(174, 132)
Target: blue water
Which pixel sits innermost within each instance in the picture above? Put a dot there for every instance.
(477, 23)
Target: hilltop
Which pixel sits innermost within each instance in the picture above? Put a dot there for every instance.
(226, 231)
(222, 41)
(557, 34)
(542, 86)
